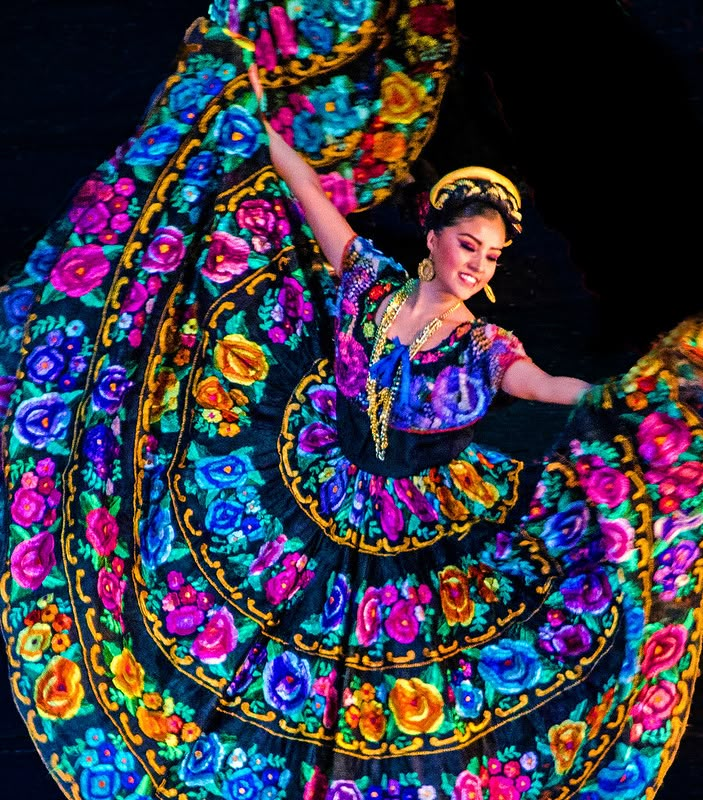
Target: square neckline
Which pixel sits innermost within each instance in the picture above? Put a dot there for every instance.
(373, 304)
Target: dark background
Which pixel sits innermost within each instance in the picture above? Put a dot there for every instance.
(596, 107)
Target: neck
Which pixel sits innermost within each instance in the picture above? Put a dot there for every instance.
(432, 299)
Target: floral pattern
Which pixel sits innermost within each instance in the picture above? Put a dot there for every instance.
(204, 594)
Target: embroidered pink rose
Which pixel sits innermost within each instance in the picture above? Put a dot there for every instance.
(662, 439)
(663, 649)
(165, 251)
(227, 257)
(217, 640)
(102, 531)
(32, 560)
(79, 270)
(368, 617)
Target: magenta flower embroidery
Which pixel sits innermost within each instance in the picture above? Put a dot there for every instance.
(467, 787)
(662, 439)
(340, 191)
(618, 538)
(217, 640)
(79, 270)
(607, 486)
(27, 507)
(226, 257)
(654, 705)
(165, 251)
(414, 499)
(102, 531)
(663, 649)
(351, 366)
(368, 617)
(31, 561)
(402, 624)
(184, 620)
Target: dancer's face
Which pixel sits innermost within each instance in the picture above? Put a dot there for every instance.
(465, 254)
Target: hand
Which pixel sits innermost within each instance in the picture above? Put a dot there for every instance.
(256, 83)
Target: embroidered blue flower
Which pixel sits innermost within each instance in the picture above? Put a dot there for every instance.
(203, 762)
(154, 146)
(564, 529)
(626, 776)
(157, 539)
(223, 516)
(287, 682)
(511, 666)
(336, 603)
(16, 305)
(238, 131)
(242, 785)
(100, 782)
(41, 420)
(221, 472)
(110, 388)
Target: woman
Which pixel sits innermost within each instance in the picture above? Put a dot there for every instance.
(252, 550)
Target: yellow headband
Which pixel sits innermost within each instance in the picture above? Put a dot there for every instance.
(480, 183)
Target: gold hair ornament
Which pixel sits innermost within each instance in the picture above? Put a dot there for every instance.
(480, 183)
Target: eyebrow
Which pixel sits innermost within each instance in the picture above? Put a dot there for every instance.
(477, 240)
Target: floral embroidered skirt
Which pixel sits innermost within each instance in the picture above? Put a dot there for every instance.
(203, 598)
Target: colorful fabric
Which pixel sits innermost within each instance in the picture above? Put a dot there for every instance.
(204, 597)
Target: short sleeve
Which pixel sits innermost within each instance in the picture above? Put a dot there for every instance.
(362, 266)
(504, 349)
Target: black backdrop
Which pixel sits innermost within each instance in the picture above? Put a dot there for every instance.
(596, 105)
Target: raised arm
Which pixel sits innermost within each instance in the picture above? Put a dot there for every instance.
(331, 229)
(524, 379)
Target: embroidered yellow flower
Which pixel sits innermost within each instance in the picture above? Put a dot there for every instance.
(417, 706)
(467, 479)
(58, 692)
(240, 360)
(565, 741)
(402, 99)
(128, 674)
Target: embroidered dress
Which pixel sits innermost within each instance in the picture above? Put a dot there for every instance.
(213, 586)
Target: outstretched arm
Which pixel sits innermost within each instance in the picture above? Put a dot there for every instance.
(524, 379)
(331, 229)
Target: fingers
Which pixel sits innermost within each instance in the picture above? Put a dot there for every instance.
(256, 82)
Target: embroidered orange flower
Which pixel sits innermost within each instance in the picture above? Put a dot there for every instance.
(190, 732)
(402, 99)
(240, 360)
(210, 393)
(467, 479)
(597, 714)
(49, 612)
(565, 741)
(636, 401)
(152, 700)
(417, 706)
(153, 724)
(164, 395)
(169, 338)
(451, 507)
(372, 721)
(58, 692)
(128, 674)
(457, 605)
(60, 642)
(389, 146)
(32, 642)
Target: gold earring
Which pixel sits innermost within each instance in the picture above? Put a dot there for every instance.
(425, 270)
(489, 293)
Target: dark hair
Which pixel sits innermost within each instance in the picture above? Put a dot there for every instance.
(464, 208)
